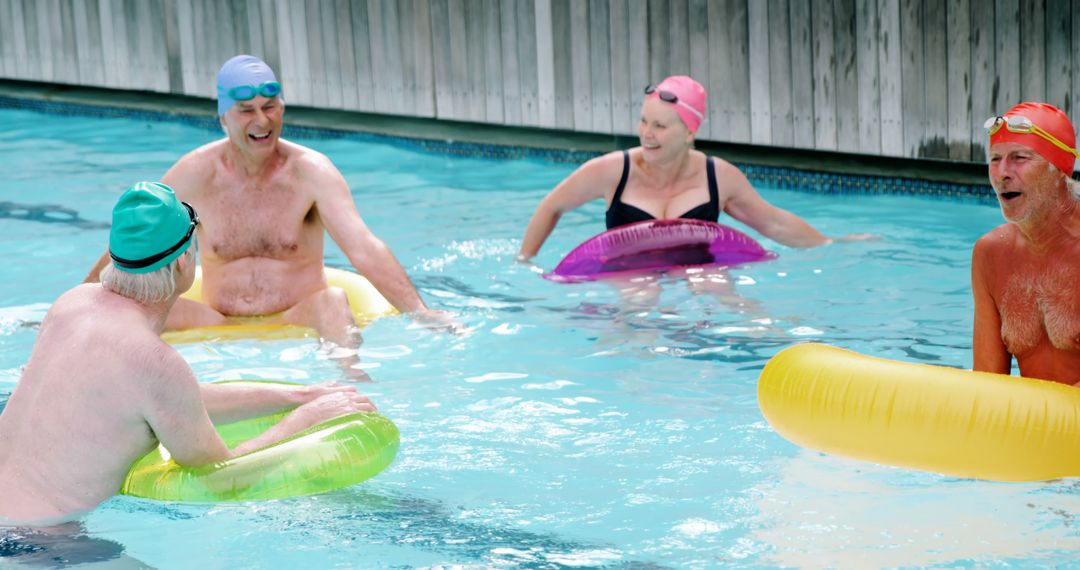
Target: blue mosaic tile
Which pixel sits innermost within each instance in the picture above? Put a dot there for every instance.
(771, 176)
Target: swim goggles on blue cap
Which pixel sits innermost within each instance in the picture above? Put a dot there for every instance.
(148, 261)
(248, 92)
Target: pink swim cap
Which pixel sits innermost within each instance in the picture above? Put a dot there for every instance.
(1050, 119)
(690, 99)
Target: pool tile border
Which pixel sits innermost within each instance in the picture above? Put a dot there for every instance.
(771, 176)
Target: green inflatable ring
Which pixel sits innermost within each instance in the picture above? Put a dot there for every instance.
(328, 456)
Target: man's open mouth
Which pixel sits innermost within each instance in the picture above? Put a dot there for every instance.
(1010, 195)
(259, 137)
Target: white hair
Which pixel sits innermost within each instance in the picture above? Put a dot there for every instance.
(146, 288)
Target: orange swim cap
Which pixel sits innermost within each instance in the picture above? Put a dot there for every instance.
(1050, 119)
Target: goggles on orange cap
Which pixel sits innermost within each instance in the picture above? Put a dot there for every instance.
(1024, 125)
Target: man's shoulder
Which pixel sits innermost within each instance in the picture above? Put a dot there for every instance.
(1001, 236)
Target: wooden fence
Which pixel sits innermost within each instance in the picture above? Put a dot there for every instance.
(911, 78)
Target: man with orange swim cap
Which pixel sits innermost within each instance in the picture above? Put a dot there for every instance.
(1024, 273)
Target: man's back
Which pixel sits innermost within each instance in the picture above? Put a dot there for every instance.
(69, 437)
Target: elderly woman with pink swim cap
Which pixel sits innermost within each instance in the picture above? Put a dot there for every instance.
(1024, 272)
(666, 178)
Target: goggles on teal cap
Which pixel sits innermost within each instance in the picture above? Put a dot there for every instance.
(150, 228)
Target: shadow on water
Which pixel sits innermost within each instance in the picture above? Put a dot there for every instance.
(61, 546)
(49, 214)
(432, 526)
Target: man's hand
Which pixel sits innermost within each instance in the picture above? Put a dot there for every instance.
(315, 391)
(438, 320)
(332, 405)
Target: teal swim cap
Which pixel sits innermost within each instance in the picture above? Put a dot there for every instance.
(150, 228)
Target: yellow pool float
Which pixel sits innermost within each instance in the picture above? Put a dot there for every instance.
(932, 418)
(366, 302)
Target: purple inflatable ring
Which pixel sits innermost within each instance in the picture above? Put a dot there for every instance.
(655, 245)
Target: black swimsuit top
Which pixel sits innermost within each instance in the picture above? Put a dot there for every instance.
(620, 214)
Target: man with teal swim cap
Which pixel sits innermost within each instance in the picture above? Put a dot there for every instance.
(266, 204)
(101, 388)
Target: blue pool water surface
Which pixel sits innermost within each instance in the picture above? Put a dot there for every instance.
(571, 428)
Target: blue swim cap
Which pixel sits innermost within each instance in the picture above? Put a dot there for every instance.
(150, 228)
(242, 70)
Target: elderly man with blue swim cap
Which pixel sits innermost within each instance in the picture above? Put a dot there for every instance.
(101, 388)
(266, 204)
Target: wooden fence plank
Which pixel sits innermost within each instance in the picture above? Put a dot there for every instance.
(440, 49)
(758, 53)
(890, 70)
(1033, 40)
(579, 59)
(172, 48)
(286, 68)
(802, 74)
(983, 88)
(394, 56)
(562, 64)
(423, 73)
(936, 72)
(361, 25)
(1058, 60)
(333, 78)
(493, 54)
(659, 45)
(678, 40)
(958, 84)
(511, 68)
(845, 34)
(475, 46)
(346, 54)
(528, 26)
(824, 75)
(618, 32)
(39, 47)
(1007, 53)
(638, 60)
(545, 65)
(319, 95)
(267, 23)
(866, 59)
(67, 57)
(306, 72)
(698, 36)
(600, 65)
(7, 40)
(781, 119)
(459, 60)
(913, 74)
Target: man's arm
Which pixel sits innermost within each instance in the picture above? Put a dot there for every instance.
(367, 253)
(173, 408)
(234, 401)
(989, 353)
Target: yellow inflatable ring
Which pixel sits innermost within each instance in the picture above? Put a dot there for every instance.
(366, 302)
(932, 418)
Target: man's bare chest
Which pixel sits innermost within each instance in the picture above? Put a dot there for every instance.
(271, 222)
(1039, 304)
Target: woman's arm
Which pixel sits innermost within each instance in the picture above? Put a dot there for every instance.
(587, 183)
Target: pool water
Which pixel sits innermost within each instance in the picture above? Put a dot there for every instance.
(574, 426)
